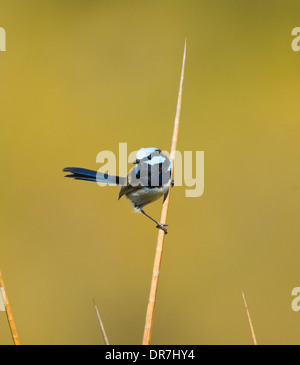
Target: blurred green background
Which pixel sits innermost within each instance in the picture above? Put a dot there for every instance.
(78, 77)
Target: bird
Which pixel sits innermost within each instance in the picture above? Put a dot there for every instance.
(149, 180)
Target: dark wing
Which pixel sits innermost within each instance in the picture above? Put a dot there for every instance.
(132, 182)
(143, 175)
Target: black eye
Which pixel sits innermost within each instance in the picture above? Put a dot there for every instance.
(149, 157)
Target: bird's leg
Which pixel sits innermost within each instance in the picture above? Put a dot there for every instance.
(159, 225)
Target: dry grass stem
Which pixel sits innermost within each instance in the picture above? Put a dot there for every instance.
(9, 315)
(249, 319)
(101, 325)
(163, 220)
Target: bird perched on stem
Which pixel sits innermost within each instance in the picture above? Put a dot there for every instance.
(147, 181)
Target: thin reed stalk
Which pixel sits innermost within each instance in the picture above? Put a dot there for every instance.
(9, 315)
(163, 220)
(101, 324)
(249, 319)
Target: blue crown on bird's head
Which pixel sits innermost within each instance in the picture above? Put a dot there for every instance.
(145, 152)
(152, 156)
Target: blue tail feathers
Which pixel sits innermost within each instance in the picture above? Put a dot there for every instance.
(79, 173)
